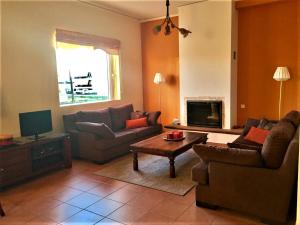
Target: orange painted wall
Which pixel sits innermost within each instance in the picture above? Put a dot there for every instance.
(268, 37)
(160, 53)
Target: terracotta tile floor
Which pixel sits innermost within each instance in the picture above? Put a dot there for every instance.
(77, 196)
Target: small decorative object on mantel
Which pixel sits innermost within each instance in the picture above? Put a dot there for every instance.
(174, 136)
(169, 24)
(176, 121)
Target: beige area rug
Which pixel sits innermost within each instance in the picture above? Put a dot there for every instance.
(154, 172)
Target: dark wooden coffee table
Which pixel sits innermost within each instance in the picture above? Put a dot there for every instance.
(158, 146)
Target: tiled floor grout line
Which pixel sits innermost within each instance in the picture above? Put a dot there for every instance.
(80, 175)
(123, 204)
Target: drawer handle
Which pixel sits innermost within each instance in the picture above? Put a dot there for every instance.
(2, 170)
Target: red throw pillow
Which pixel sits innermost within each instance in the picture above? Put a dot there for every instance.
(142, 122)
(257, 135)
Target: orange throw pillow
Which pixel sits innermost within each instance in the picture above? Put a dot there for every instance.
(136, 123)
(257, 135)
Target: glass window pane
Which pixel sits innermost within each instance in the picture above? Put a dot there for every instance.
(83, 74)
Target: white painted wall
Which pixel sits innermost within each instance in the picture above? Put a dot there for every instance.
(29, 79)
(0, 72)
(205, 57)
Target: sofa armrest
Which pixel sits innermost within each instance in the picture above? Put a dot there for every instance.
(98, 129)
(74, 135)
(250, 188)
(241, 157)
(245, 176)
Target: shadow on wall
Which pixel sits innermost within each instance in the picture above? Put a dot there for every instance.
(171, 80)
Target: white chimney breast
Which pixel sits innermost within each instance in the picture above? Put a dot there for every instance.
(205, 56)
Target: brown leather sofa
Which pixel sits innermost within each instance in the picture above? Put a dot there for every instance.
(257, 182)
(90, 141)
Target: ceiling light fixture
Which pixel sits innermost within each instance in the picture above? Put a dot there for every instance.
(169, 24)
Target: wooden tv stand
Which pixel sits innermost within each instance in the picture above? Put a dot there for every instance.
(29, 158)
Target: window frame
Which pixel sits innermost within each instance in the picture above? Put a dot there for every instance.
(110, 46)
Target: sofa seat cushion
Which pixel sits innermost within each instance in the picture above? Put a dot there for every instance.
(146, 131)
(97, 116)
(200, 173)
(119, 115)
(276, 144)
(121, 137)
(125, 134)
(242, 143)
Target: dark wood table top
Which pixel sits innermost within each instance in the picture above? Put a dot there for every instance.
(158, 146)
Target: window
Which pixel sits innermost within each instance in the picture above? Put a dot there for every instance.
(87, 68)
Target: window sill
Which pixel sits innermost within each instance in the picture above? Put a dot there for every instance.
(88, 103)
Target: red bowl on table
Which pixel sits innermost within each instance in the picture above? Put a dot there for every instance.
(174, 135)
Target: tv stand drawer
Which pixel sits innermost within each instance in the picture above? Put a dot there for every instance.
(14, 156)
(10, 174)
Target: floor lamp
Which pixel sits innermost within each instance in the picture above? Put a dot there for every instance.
(159, 79)
(281, 74)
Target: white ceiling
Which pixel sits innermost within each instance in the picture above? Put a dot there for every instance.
(140, 10)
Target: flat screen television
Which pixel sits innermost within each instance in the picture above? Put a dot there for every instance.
(35, 123)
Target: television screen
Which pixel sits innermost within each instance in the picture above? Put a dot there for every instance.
(35, 123)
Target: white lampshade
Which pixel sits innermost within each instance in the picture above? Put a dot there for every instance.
(158, 78)
(281, 74)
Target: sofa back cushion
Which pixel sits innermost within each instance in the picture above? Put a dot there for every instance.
(138, 115)
(276, 144)
(250, 123)
(293, 117)
(119, 115)
(69, 122)
(240, 142)
(97, 116)
(153, 117)
(266, 124)
(99, 129)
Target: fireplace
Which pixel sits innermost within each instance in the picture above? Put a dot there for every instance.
(204, 113)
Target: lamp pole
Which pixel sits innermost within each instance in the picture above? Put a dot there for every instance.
(159, 79)
(280, 99)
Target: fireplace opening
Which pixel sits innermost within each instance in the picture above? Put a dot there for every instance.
(204, 113)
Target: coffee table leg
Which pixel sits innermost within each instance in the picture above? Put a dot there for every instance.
(135, 161)
(172, 167)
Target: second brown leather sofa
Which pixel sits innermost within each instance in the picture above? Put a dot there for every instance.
(88, 145)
